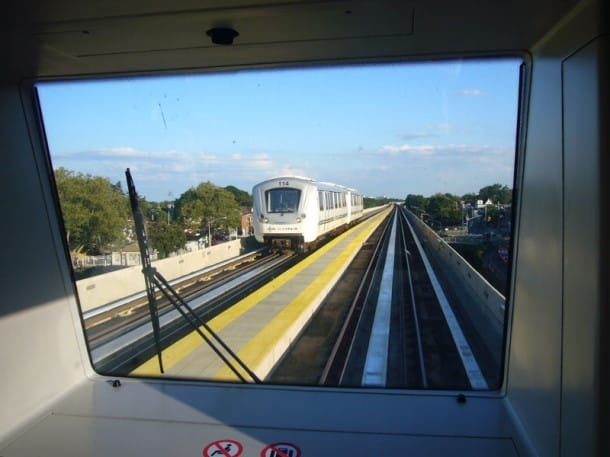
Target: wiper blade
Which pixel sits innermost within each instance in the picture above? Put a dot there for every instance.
(155, 279)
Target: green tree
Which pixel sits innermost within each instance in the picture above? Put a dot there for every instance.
(496, 193)
(444, 210)
(242, 197)
(207, 203)
(166, 238)
(150, 210)
(95, 211)
(470, 198)
(416, 202)
(372, 202)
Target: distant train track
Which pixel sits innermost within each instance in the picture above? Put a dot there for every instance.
(335, 369)
(423, 351)
(122, 315)
(129, 341)
(125, 305)
(337, 320)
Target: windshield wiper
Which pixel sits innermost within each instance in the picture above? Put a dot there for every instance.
(153, 279)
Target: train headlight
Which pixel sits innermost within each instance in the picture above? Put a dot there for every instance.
(298, 219)
(265, 220)
(303, 215)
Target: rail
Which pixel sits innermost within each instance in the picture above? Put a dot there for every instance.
(334, 371)
(131, 345)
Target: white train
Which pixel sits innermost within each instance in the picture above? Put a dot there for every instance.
(294, 212)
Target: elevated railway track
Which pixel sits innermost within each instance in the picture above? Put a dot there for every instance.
(382, 321)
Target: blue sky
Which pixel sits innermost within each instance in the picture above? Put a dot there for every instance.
(388, 129)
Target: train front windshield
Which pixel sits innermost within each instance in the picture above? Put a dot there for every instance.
(450, 164)
(283, 200)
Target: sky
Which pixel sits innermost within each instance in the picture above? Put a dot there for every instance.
(386, 130)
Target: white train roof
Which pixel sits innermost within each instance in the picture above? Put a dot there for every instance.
(319, 184)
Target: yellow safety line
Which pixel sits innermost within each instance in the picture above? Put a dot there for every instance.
(256, 350)
(181, 348)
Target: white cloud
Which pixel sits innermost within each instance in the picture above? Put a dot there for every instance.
(448, 155)
(253, 161)
(260, 163)
(471, 92)
(156, 173)
(417, 150)
(418, 135)
(481, 152)
(120, 152)
(289, 170)
(126, 152)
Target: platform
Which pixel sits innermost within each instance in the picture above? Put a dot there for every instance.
(260, 327)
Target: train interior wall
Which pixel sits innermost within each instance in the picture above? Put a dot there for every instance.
(41, 343)
(584, 396)
(554, 366)
(557, 356)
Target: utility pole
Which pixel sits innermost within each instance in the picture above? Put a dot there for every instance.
(170, 205)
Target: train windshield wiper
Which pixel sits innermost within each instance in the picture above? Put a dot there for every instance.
(154, 279)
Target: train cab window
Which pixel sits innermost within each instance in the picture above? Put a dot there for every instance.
(283, 200)
(252, 187)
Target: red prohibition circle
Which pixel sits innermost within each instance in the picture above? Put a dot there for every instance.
(221, 450)
(278, 453)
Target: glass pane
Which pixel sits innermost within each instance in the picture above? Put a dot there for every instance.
(266, 195)
(283, 200)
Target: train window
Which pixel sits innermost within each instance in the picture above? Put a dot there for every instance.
(283, 200)
(255, 186)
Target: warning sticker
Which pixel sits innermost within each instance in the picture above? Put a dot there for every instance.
(223, 448)
(281, 450)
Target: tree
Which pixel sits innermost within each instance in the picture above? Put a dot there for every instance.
(444, 210)
(372, 202)
(470, 198)
(415, 202)
(166, 238)
(94, 210)
(496, 193)
(207, 203)
(150, 210)
(242, 197)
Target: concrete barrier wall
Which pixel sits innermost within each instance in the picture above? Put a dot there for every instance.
(488, 302)
(102, 289)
